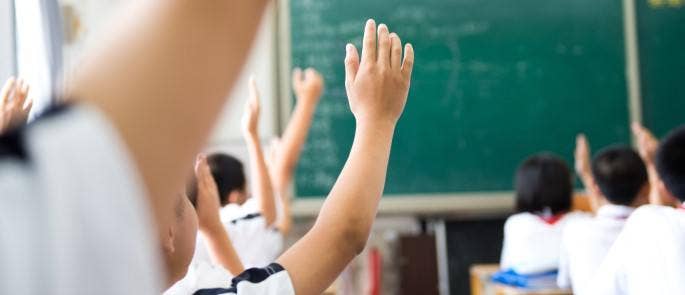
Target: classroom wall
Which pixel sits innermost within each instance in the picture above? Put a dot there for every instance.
(94, 15)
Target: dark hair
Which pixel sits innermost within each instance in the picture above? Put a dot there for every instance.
(228, 173)
(620, 174)
(543, 182)
(670, 162)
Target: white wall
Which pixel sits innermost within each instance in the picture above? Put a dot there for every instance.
(93, 14)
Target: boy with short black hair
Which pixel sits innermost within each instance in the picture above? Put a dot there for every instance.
(648, 257)
(618, 178)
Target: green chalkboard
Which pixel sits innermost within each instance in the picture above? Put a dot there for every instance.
(661, 39)
(494, 81)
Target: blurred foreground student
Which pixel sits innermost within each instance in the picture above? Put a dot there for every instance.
(618, 177)
(256, 228)
(648, 257)
(532, 237)
(92, 230)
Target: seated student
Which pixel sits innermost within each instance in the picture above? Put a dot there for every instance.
(15, 104)
(648, 256)
(647, 146)
(203, 195)
(92, 231)
(257, 229)
(619, 177)
(532, 237)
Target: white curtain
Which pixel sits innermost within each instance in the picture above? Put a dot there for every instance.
(39, 48)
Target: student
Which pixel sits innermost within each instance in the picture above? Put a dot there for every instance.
(620, 176)
(647, 146)
(249, 221)
(257, 228)
(15, 104)
(203, 194)
(79, 230)
(648, 257)
(532, 237)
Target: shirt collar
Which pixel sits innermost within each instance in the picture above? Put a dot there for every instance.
(615, 211)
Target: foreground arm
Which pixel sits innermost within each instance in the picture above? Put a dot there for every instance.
(584, 170)
(260, 178)
(308, 87)
(377, 90)
(162, 77)
(218, 242)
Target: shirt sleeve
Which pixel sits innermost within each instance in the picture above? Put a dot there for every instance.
(273, 279)
(78, 222)
(564, 275)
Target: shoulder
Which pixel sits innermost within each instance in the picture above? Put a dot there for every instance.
(273, 279)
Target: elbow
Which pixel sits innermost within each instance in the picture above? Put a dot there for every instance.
(356, 236)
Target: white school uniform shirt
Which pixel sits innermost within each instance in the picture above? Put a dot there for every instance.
(585, 242)
(648, 257)
(256, 244)
(209, 280)
(531, 245)
(74, 217)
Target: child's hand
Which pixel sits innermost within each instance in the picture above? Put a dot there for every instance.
(207, 195)
(582, 157)
(377, 88)
(308, 86)
(14, 104)
(647, 144)
(252, 108)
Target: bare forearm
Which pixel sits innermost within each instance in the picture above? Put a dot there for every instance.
(345, 220)
(594, 195)
(292, 141)
(221, 250)
(261, 179)
(161, 79)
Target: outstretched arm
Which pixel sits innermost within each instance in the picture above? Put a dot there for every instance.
(218, 242)
(647, 146)
(308, 86)
(162, 77)
(261, 179)
(377, 90)
(584, 170)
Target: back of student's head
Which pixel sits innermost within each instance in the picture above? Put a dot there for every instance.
(620, 174)
(228, 173)
(670, 162)
(543, 184)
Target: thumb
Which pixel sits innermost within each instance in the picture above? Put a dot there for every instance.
(351, 64)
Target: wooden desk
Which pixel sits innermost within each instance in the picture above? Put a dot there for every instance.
(482, 285)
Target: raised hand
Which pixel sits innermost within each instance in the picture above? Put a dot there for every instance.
(308, 85)
(15, 104)
(207, 195)
(582, 157)
(252, 110)
(647, 144)
(377, 87)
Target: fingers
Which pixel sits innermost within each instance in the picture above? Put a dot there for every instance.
(253, 102)
(7, 90)
(395, 51)
(581, 145)
(408, 63)
(297, 78)
(351, 64)
(384, 46)
(310, 75)
(369, 43)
